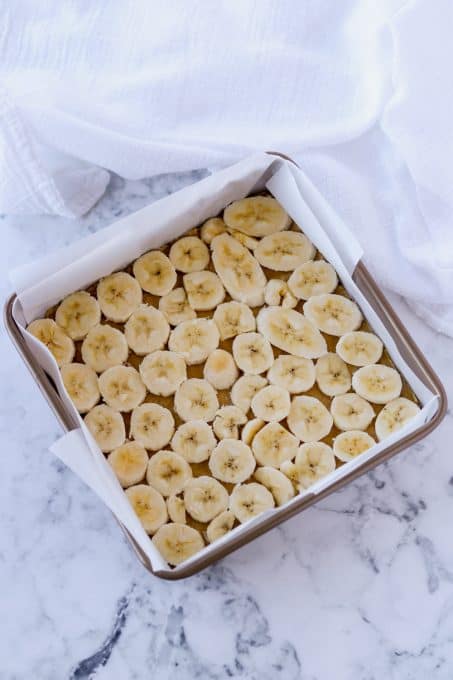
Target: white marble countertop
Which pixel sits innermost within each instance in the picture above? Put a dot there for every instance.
(359, 587)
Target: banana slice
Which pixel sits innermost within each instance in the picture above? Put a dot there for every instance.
(175, 307)
(212, 228)
(359, 348)
(196, 399)
(205, 498)
(146, 330)
(249, 500)
(294, 374)
(245, 389)
(393, 416)
(220, 526)
(277, 293)
(189, 254)
(129, 462)
(106, 426)
(177, 542)
(122, 388)
(271, 404)
(232, 461)
(348, 445)
(247, 241)
(176, 509)
(314, 461)
(284, 251)
(238, 270)
(273, 444)
(81, 383)
(220, 369)
(333, 314)
(351, 412)
(377, 383)
(104, 347)
(227, 421)
(309, 419)
(332, 375)
(256, 216)
(168, 472)
(54, 338)
(278, 484)
(194, 441)
(253, 353)
(233, 318)
(314, 277)
(204, 290)
(149, 506)
(163, 372)
(250, 429)
(77, 314)
(292, 332)
(152, 425)
(155, 273)
(118, 295)
(195, 340)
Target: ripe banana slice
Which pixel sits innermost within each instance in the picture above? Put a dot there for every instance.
(232, 461)
(104, 347)
(122, 388)
(175, 307)
(273, 444)
(177, 542)
(359, 348)
(194, 441)
(253, 353)
(284, 251)
(256, 216)
(393, 416)
(152, 425)
(314, 461)
(351, 412)
(163, 372)
(271, 404)
(238, 270)
(155, 273)
(277, 293)
(189, 254)
(333, 314)
(377, 383)
(77, 314)
(348, 445)
(314, 277)
(54, 338)
(195, 340)
(233, 318)
(129, 462)
(249, 500)
(204, 290)
(149, 506)
(118, 295)
(176, 509)
(196, 399)
(220, 526)
(292, 332)
(245, 389)
(81, 383)
(278, 484)
(212, 228)
(205, 498)
(250, 429)
(220, 369)
(146, 330)
(106, 426)
(227, 421)
(309, 419)
(332, 375)
(247, 241)
(168, 472)
(294, 374)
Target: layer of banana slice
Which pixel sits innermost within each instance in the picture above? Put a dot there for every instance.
(195, 340)
(348, 445)
(189, 254)
(232, 461)
(227, 421)
(314, 277)
(168, 472)
(333, 314)
(77, 313)
(271, 404)
(309, 419)
(146, 330)
(284, 251)
(252, 353)
(239, 271)
(278, 484)
(176, 509)
(233, 318)
(277, 293)
(204, 290)
(155, 273)
(377, 383)
(107, 427)
(245, 388)
(205, 498)
(220, 526)
(149, 506)
(360, 348)
(81, 383)
(194, 441)
(249, 500)
(212, 228)
(129, 462)
(122, 388)
(175, 307)
(163, 372)
(394, 416)
(220, 369)
(332, 375)
(294, 374)
(291, 331)
(196, 399)
(152, 425)
(256, 216)
(104, 347)
(60, 345)
(247, 241)
(273, 444)
(177, 542)
(118, 295)
(314, 461)
(250, 429)
(351, 412)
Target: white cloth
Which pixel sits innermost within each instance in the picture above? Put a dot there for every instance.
(358, 91)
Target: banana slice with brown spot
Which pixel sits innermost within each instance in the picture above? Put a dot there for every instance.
(220, 369)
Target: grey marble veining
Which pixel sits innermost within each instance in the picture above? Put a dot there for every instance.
(359, 587)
